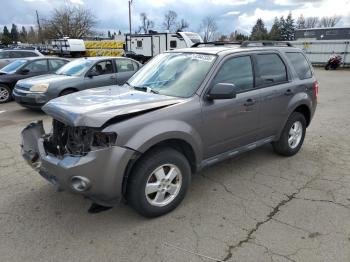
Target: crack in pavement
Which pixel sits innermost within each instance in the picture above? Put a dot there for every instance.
(324, 201)
(269, 217)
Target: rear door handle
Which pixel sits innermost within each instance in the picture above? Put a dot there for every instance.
(288, 92)
(249, 102)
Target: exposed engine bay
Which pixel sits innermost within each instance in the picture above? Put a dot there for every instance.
(70, 140)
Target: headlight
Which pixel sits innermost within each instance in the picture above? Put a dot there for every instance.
(40, 88)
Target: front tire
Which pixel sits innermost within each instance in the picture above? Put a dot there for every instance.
(158, 182)
(5, 94)
(292, 136)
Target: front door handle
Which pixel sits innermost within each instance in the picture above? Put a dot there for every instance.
(288, 92)
(249, 102)
(113, 77)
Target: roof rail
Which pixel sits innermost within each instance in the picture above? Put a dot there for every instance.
(217, 43)
(265, 43)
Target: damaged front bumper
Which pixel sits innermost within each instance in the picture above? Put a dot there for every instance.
(97, 175)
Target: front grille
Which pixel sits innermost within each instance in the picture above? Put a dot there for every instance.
(21, 87)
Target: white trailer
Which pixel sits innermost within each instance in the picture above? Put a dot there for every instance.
(68, 46)
(149, 45)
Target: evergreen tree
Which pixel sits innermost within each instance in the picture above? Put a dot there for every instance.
(109, 34)
(14, 33)
(301, 22)
(275, 32)
(259, 31)
(6, 32)
(6, 36)
(283, 29)
(23, 34)
(290, 28)
(241, 37)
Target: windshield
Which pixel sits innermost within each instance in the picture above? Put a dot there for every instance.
(173, 74)
(75, 68)
(13, 67)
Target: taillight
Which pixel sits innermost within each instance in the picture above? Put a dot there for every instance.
(316, 89)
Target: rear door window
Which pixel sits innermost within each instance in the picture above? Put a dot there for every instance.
(55, 64)
(300, 64)
(124, 65)
(237, 71)
(4, 55)
(14, 54)
(270, 70)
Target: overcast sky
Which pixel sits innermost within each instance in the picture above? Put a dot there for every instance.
(230, 15)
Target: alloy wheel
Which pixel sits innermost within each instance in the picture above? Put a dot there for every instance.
(163, 185)
(295, 134)
(4, 94)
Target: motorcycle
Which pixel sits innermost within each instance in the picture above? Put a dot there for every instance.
(333, 62)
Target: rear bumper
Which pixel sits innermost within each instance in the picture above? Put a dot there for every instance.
(103, 169)
(31, 100)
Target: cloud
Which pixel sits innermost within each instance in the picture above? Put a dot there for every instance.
(232, 2)
(79, 2)
(311, 8)
(232, 13)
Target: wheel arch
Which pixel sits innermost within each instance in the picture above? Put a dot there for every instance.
(66, 89)
(305, 111)
(178, 144)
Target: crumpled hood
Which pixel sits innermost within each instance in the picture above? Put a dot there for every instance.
(94, 107)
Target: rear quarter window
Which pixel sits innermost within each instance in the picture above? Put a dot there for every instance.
(300, 64)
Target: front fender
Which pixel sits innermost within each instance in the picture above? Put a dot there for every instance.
(157, 132)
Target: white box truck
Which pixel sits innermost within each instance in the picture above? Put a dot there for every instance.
(142, 47)
(68, 47)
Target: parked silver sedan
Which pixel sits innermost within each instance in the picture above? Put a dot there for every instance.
(80, 74)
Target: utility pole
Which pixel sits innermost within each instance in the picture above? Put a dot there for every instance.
(130, 2)
(39, 26)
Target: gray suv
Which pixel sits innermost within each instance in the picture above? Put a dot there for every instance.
(183, 111)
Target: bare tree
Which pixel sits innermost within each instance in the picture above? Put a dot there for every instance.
(209, 29)
(170, 21)
(301, 22)
(75, 22)
(183, 24)
(329, 21)
(146, 23)
(311, 22)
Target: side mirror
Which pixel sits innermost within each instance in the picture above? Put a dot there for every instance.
(222, 91)
(24, 71)
(92, 73)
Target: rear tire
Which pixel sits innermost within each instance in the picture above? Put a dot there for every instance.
(158, 182)
(292, 136)
(5, 94)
